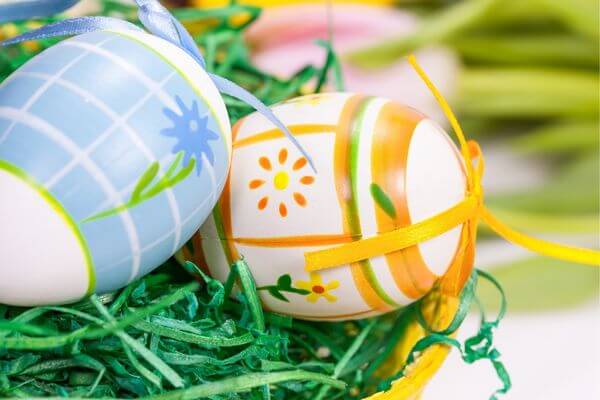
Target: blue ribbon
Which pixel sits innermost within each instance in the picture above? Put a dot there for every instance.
(160, 22)
(16, 10)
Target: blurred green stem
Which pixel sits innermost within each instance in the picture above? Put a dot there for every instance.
(580, 16)
(453, 19)
(528, 92)
(551, 49)
(560, 137)
(541, 284)
(572, 191)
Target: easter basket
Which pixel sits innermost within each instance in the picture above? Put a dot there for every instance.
(426, 336)
(31, 340)
(440, 310)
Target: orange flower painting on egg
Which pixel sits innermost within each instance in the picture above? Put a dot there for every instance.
(279, 175)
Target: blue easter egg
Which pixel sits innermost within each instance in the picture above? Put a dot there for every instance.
(114, 148)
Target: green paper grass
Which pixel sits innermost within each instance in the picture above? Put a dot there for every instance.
(165, 338)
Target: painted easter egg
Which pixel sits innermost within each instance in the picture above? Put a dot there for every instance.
(380, 166)
(114, 148)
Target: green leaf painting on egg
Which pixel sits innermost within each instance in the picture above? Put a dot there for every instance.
(284, 284)
(192, 152)
(144, 191)
(383, 200)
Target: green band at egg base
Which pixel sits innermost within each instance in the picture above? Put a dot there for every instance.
(56, 206)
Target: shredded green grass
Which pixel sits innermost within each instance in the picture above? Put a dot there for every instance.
(165, 338)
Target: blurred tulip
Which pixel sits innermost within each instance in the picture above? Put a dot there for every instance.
(284, 38)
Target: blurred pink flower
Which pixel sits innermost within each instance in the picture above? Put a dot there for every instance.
(283, 40)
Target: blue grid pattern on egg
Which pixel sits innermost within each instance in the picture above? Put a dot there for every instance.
(65, 121)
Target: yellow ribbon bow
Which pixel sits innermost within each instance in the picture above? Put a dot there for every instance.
(468, 212)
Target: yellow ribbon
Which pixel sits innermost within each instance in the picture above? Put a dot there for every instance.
(470, 211)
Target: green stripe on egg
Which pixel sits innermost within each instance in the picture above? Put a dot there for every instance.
(354, 216)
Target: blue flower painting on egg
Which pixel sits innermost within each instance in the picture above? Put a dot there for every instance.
(192, 133)
(125, 144)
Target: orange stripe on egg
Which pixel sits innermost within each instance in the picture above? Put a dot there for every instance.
(391, 141)
(462, 263)
(222, 212)
(388, 174)
(295, 241)
(343, 186)
(236, 130)
(461, 266)
(296, 130)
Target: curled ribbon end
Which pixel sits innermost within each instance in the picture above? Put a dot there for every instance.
(469, 211)
(232, 89)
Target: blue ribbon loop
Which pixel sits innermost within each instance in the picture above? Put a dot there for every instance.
(16, 10)
(158, 21)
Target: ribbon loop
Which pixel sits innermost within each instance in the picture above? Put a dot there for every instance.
(229, 88)
(160, 22)
(16, 10)
(74, 26)
(554, 250)
(470, 212)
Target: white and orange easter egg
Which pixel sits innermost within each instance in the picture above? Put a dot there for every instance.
(380, 166)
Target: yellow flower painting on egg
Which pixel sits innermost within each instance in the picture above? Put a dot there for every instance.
(280, 174)
(318, 289)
